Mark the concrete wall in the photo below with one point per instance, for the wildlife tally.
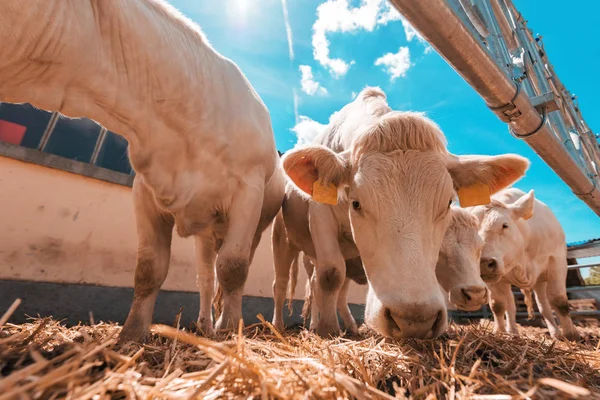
(64, 227)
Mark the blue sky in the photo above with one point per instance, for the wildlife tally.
(367, 47)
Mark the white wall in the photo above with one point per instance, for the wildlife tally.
(57, 226)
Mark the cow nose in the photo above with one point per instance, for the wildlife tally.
(489, 264)
(474, 295)
(417, 327)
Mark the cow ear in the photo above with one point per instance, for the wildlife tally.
(317, 168)
(495, 172)
(523, 208)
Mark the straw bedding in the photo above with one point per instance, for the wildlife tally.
(46, 360)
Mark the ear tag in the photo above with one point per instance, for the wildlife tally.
(474, 195)
(324, 194)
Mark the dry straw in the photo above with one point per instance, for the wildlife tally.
(46, 360)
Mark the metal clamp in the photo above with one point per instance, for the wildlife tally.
(508, 112)
(534, 132)
(589, 193)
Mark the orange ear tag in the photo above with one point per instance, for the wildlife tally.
(474, 195)
(324, 194)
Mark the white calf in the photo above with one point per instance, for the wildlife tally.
(200, 138)
(524, 245)
(393, 180)
(457, 270)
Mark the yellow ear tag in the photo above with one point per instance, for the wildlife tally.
(324, 194)
(474, 195)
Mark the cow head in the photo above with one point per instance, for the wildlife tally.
(397, 182)
(503, 240)
(457, 269)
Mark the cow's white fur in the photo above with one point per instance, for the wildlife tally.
(200, 138)
(396, 182)
(524, 245)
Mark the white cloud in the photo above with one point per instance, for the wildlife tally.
(309, 85)
(339, 16)
(307, 130)
(288, 28)
(354, 94)
(395, 64)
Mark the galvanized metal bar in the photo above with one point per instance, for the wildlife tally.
(581, 266)
(98, 146)
(48, 131)
(505, 28)
(448, 35)
(591, 288)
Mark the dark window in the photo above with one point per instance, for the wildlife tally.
(15, 117)
(113, 154)
(73, 138)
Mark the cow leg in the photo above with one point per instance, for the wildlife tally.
(511, 311)
(498, 303)
(235, 254)
(155, 230)
(541, 298)
(557, 294)
(314, 307)
(330, 267)
(344, 309)
(205, 258)
(284, 255)
(312, 278)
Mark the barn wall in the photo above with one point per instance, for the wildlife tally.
(62, 227)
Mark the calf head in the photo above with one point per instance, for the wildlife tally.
(397, 182)
(457, 268)
(503, 241)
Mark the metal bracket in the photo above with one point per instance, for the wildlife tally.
(546, 100)
(530, 134)
(508, 112)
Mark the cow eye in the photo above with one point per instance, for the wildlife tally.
(504, 226)
(449, 203)
(356, 205)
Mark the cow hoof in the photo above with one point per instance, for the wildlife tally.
(133, 334)
(572, 336)
(204, 327)
(225, 324)
(352, 330)
(279, 325)
(326, 331)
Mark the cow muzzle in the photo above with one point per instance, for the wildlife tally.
(424, 325)
(491, 269)
(469, 298)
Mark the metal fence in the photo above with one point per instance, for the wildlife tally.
(489, 44)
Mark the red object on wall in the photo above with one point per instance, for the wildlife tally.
(11, 132)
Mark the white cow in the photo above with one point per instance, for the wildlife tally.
(524, 245)
(395, 181)
(200, 138)
(457, 270)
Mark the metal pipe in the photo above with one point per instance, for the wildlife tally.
(570, 289)
(448, 35)
(48, 131)
(504, 25)
(98, 146)
(580, 266)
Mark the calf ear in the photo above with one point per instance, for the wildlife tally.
(309, 165)
(496, 172)
(523, 208)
